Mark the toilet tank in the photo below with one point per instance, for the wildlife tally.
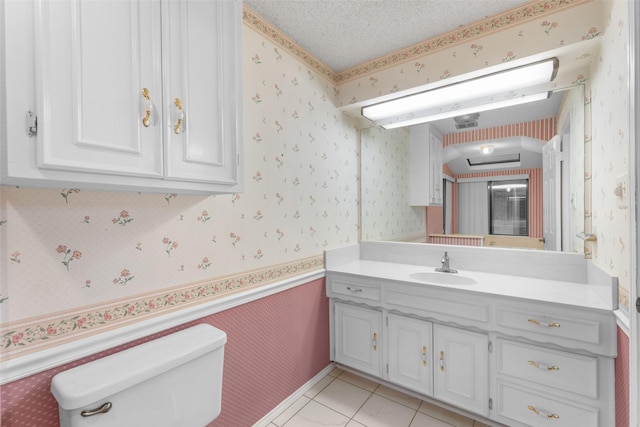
(173, 381)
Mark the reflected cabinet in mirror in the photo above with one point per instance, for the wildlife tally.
(512, 177)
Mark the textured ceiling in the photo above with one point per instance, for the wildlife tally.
(346, 33)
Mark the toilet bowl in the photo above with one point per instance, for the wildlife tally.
(173, 381)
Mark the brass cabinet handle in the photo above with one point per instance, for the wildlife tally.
(146, 120)
(180, 121)
(546, 415)
(442, 361)
(375, 341)
(101, 410)
(543, 367)
(424, 355)
(545, 324)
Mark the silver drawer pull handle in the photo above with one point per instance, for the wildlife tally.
(542, 414)
(101, 410)
(545, 324)
(543, 367)
(349, 288)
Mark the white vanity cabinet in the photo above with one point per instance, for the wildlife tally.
(517, 361)
(538, 385)
(358, 338)
(135, 95)
(425, 166)
(450, 364)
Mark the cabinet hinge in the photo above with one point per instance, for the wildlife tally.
(490, 347)
(31, 123)
(490, 403)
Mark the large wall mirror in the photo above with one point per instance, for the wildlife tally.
(514, 178)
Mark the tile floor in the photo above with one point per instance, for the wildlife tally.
(344, 399)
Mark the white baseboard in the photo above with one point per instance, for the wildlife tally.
(264, 421)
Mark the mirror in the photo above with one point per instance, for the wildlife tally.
(385, 178)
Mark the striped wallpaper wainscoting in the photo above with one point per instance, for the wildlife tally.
(453, 239)
(543, 129)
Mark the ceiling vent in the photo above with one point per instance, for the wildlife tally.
(467, 121)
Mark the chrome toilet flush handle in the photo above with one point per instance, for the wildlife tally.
(101, 410)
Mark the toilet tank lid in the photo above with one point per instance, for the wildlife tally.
(88, 383)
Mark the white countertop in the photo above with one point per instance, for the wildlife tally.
(553, 291)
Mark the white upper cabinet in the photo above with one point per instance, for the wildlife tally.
(129, 95)
(425, 166)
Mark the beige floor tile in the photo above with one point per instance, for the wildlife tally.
(316, 415)
(479, 424)
(398, 396)
(442, 414)
(381, 412)
(319, 386)
(423, 420)
(445, 415)
(336, 372)
(288, 413)
(358, 381)
(353, 423)
(343, 397)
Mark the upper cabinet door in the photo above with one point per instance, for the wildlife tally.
(93, 61)
(201, 55)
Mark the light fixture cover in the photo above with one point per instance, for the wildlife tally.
(486, 149)
(421, 106)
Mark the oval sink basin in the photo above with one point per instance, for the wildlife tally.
(443, 278)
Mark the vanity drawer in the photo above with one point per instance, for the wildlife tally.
(355, 289)
(429, 302)
(550, 325)
(565, 371)
(535, 409)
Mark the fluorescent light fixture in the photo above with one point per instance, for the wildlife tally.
(485, 107)
(499, 82)
(508, 186)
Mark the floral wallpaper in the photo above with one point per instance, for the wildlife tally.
(75, 261)
(66, 252)
(537, 27)
(386, 214)
(610, 166)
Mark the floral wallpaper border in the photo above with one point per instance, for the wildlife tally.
(515, 16)
(25, 337)
(255, 21)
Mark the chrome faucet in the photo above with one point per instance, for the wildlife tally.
(445, 265)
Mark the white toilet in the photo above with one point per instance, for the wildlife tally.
(173, 381)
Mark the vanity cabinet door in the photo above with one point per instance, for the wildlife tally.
(410, 353)
(461, 361)
(358, 339)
